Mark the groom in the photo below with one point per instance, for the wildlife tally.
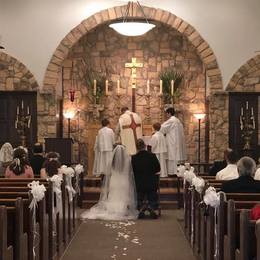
(146, 169)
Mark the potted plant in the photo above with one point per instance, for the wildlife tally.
(167, 76)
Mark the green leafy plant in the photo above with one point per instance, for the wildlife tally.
(167, 76)
(100, 78)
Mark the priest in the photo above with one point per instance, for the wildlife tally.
(175, 140)
(129, 129)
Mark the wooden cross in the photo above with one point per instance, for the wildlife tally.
(133, 65)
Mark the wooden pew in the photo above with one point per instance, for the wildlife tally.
(11, 188)
(6, 251)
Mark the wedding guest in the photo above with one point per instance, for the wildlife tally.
(245, 182)
(6, 157)
(230, 171)
(37, 159)
(19, 167)
(51, 166)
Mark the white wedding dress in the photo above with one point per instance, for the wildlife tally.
(118, 194)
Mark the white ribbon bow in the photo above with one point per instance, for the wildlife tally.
(78, 170)
(57, 180)
(180, 171)
(189, 175)
(69, 173)
(198, 183)
(211, 197)
(38, 193)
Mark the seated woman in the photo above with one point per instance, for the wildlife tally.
(19, 167)
(118, 196)
(51, 165)
(6, 157)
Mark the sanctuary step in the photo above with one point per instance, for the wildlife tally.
(168, 192)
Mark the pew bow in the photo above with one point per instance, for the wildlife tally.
(189, 175)
(199, 184)
(78, 170)
(69, 173)
(38, 192)
(211, 197)
(180, 171)
(56, 181)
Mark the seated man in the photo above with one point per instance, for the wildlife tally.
(245, 182)
(146, 168)
(230, 171)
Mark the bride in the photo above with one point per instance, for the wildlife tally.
(118, 195)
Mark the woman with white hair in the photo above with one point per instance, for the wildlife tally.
(246, 167)
(6, 157)
(118, 196)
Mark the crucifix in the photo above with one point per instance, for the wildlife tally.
(133, 65)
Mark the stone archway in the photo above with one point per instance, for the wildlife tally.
(247, 78)
(19, 72)
(204, 50)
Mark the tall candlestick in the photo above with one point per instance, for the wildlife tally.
(242, 111)
(22, 104)
(148, 87)
(252, 111)
(95, 88)
(28, 110)
(17, 110)
(172, 87)
(118, 87)
(246, 104)
(106, 91)
(161, 85)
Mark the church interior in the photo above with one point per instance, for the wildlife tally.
(63, 69)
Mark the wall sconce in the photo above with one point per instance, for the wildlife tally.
(199, 116)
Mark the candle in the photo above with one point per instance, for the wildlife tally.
(148, 87)
(29, 121)
(246, 104)
(252, 111)
(172, 87)
(22, 104)
(118, 87)
(17, 110)
(161, 85)
(28, 110)
(106, 91)
(242, 111)
(16, 124)
(95, 88)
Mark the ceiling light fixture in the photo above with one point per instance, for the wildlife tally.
(135, 27)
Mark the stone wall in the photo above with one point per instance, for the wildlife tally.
(105, 52)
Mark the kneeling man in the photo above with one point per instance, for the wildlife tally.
(146, 169)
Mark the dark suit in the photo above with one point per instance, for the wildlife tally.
(145, 166)
(242, 184)
(216, 167)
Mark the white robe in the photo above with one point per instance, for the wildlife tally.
(159, 147)
(175, 140)
(103, 151)
(126, 132)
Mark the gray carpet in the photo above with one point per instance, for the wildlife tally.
(160, 239)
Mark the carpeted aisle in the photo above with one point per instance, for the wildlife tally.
(160, 239)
